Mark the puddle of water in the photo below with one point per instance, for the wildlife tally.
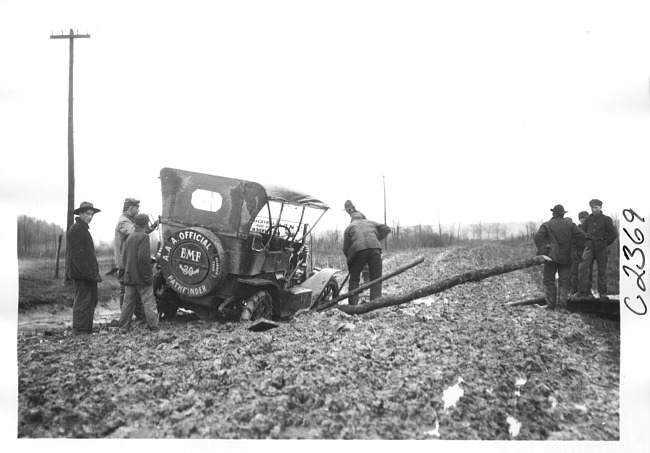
(44, 320)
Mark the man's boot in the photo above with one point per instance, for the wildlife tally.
(551, 297)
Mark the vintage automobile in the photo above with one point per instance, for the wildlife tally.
(237, 250)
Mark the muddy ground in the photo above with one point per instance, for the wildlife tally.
(456, 365)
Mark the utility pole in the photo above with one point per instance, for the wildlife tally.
(386, 239)
(70, 215)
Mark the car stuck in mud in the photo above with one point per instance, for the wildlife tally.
(237, 250)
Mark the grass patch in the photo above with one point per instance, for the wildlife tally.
(38, 284)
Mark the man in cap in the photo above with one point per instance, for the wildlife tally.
(555, 239)
(362, 245)
(138, 276)
(125, 226)
(601, 233)
(83, 269)
(352, 211)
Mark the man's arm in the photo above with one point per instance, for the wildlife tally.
(578, 236)
(125, 227)
(610, 231)
(152, 227)
(541, 236)
(383, 231)
(346, 242)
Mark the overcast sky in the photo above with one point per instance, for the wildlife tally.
(470, 111)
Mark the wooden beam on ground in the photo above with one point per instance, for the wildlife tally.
(472, 276)
(607, 307)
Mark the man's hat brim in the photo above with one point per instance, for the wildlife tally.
(80, 210)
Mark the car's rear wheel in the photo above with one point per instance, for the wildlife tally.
(258, 306)
(164, 298)
(167, 309)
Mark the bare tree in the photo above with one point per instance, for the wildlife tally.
(531, 228)
(497, 230)
(489, 229)
(477, 230)
(36, 237)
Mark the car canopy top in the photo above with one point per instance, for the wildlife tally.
(290, 196)
(220, 203)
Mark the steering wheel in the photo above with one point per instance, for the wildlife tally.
(287, 231)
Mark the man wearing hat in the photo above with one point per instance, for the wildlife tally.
(125, 226)
(361, 247)
(83, 269)
(601, 233)
(555, 239)
(352, 211)
(138, 276)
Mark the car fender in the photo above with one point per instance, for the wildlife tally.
(316, 283)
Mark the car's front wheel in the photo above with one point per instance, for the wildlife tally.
(329, 292)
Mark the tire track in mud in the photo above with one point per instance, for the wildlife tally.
(421, 275)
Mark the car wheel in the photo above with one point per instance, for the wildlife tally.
(164, 298)
(328, 293)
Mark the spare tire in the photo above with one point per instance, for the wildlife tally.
(192, 261)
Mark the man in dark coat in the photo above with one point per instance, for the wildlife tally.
(138, 276)
(576, 257)
(83, 269)
(601, 233)
(357, 215)
(555, 239)
(361, 246)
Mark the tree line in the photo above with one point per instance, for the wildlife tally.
(40, 238)
(427, 236)
(37, 237)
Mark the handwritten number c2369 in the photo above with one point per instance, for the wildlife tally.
(637, 239)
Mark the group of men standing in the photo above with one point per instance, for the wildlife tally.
(573, 250)
(132, 255)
